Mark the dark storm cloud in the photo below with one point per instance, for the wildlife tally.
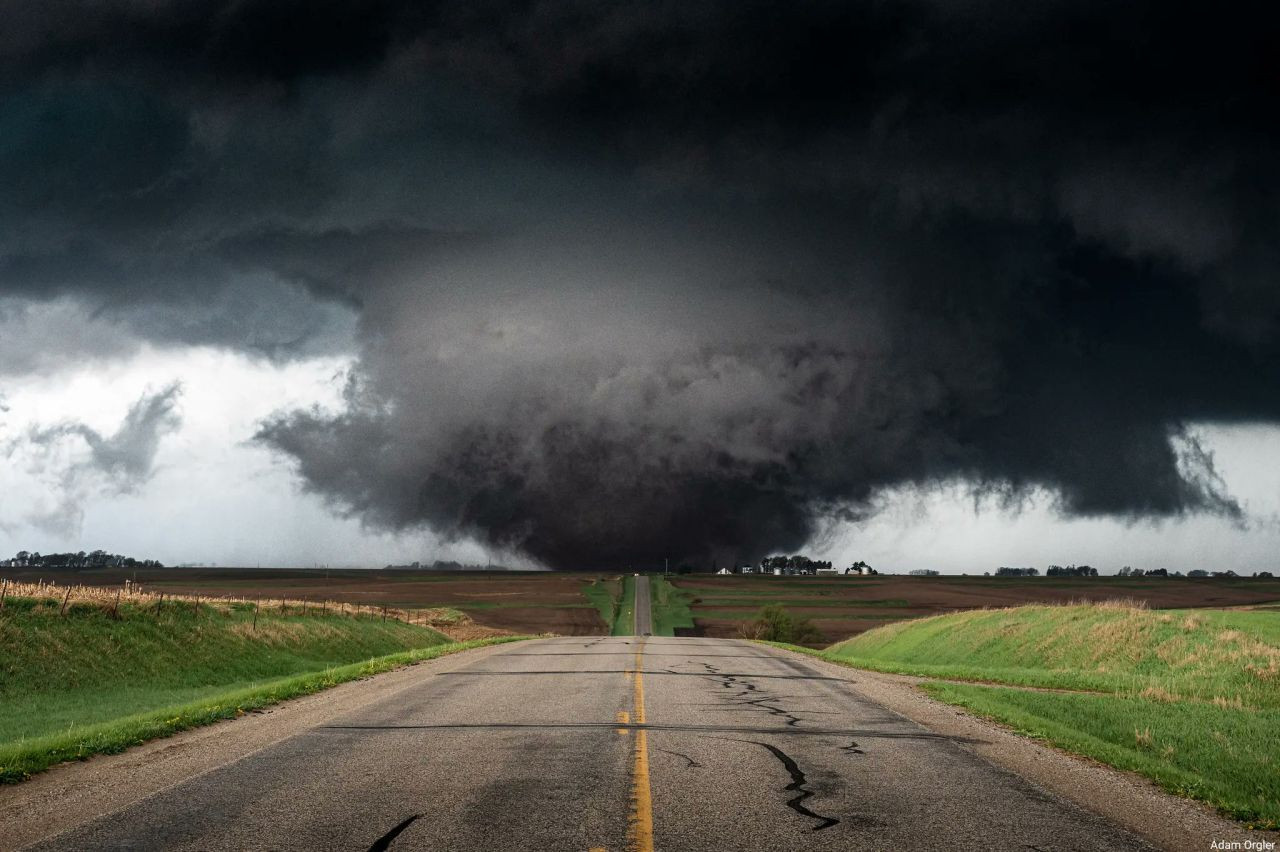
(678, 278)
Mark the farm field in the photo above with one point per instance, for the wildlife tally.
(841, 607)
(581, 604)
(1190, 698)
(511, 602)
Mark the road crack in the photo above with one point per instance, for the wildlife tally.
(798, 785)
(744, 697)
(692, 763)
(383, 843)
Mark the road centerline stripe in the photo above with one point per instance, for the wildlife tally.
(640, 829)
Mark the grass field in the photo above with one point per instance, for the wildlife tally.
(670, 607)
(1190, 698)
(82, 682)
(624, 623)
(577, 604)
(604, 594)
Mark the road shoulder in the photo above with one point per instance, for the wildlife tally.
(1124, 798)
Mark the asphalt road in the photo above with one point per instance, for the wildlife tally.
(626, 743)
(643, 622)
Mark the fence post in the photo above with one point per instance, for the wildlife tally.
(195, 607)
(62, 612)
(384, 612)
(115, 608)
(160, 602)
(255, 615)
(4, 590)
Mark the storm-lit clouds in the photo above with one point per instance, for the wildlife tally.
(76, 461)
(622, 281)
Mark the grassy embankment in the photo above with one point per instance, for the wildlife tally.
(605, 595)
(1189, 698)
(86, 683)
(625, 623)
(615, 600)
(669, 607)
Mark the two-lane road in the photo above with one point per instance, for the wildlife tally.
(609, 743)
(643, 623)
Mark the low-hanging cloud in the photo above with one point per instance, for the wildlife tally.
(633, 281)
(79, 461)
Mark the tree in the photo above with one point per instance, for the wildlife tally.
(1073, 571)
(77, 560)
(775, 624)
(923, 572)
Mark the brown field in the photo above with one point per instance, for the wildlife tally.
(511, 602)
(544, 602)
(841, 607)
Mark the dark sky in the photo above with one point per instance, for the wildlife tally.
(624, 281)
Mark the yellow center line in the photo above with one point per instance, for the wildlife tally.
(640, 830)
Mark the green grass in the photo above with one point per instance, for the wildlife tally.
(604, 596)
(1203, 655)
(1225, 756)
(87, 684)
(1189, 698)
(624, 622)
(669, 606)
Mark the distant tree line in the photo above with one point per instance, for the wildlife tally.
(1005, 571)
(1071, 571)
(443, 565)
(796, 563)
(80, 559)
(923, 572)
